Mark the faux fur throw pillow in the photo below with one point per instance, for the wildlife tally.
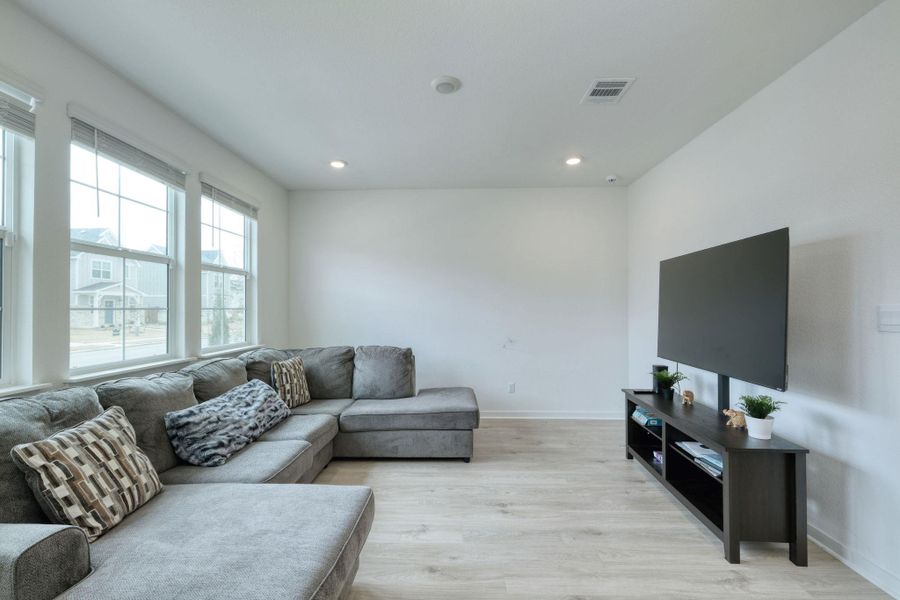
(208, 434)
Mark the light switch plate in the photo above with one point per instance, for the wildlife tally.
(889, 318)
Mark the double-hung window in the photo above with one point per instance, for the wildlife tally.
(122, 259)
(16, 178)
(228, 244)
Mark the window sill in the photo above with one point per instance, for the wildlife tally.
(228, 351)
(17, 390)
(130, 370)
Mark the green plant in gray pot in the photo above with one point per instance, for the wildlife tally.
(759, 417)
(667, 382)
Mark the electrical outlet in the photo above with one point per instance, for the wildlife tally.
(511, 387)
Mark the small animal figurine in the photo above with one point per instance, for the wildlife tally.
(687, 397)
(735, 418)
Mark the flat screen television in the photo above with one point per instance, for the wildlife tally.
(725, 310)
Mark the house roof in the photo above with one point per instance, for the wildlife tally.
(94, 235)
(97, 287)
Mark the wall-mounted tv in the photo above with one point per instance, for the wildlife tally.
(725, 310)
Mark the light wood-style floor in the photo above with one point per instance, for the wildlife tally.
(551, 510)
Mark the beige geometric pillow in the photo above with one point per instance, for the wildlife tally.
(289, 380)
(91, 475)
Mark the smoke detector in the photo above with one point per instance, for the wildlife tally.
(607, 91)
(446, 84)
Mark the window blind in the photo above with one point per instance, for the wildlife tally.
(111, 147)
(16, 116)
(226, 199)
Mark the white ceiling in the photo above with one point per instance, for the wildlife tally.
(290, 85)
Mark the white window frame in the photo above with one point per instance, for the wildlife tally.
(249, 275)
(124, 254)
(7, 259)
(17, 122)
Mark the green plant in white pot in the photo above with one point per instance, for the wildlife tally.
(759, 417)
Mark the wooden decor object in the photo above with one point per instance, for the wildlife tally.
(735, 418)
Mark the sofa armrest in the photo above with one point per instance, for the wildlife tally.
(39, 562)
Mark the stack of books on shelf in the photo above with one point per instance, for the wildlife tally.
(706, 458)
(646, 418)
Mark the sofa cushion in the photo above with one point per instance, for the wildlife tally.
(30, 419)
(384, 372)
(214, 377)
(318, 430)
(332, 407)
(329, 371)
(289, 380)
(146, 400)
(259, 362)
(260, 462)
(207, 434)
(233, 542)
(436, 408)
(92, 475)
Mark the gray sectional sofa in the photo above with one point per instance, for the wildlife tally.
(225, 532)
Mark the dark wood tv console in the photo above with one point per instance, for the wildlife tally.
(761, 495)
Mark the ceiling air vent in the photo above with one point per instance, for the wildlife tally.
(607, 91)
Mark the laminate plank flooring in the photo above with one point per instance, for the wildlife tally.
(551, 510)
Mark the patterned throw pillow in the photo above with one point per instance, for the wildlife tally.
(208, 434)
(92, 475)
(289, 379)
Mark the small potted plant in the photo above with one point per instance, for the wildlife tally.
(759, 418)
(667, 382)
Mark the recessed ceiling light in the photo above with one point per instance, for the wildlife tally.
(338, 164)
(446, 84)
(573, 161)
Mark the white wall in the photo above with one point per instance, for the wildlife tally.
(487, 286)
(818, 150)
(62, 74)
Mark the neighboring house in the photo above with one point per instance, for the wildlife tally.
(98, 282)
(211, 282)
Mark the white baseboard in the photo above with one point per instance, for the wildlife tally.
(552, 414)
(888, 582)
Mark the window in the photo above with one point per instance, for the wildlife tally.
(101, 269)
(227, 234)
(16, 179)
(122, 204)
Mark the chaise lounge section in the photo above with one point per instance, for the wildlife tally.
(437, 423)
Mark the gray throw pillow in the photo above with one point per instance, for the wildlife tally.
(212, 378)
(384, 372)
(146, 400)
(208, 434)
(329, 371)
(259, 362)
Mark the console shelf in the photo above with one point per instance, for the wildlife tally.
(761, 495)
